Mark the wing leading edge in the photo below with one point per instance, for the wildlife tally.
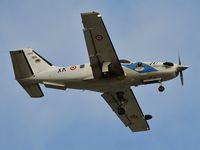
(102, 55)
(133, 118)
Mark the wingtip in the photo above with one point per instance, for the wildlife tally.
(91, 13)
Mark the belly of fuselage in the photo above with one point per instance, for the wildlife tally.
(131, 78)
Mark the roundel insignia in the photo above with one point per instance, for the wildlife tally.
(99, 37)
(72, 68)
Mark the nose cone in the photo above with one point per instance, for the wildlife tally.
(182, 67)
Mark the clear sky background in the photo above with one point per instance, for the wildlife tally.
(140, 31)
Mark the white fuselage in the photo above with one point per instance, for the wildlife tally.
(81, 76)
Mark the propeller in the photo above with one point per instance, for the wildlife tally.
(180, 69)
(181, 72)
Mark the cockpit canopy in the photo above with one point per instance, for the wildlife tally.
(124, 61)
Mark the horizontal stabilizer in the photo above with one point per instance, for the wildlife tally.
(33, 90)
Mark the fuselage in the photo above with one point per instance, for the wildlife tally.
(81, 76)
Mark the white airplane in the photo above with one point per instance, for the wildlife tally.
(105, 73)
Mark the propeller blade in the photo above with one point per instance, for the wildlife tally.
(181, 76)
(179, 60)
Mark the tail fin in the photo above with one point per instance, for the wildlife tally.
(26, 63)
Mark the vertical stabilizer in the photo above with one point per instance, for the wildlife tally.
(36, 62)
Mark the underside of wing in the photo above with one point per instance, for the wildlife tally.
(103, 58)
(133, 117)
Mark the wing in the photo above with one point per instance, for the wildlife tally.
(133, 118)
(102, 55)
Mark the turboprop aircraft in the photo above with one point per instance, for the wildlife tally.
(106, 73)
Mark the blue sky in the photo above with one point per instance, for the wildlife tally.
(140, 30)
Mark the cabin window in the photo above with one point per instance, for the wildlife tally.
(139, 64)
(82, 66)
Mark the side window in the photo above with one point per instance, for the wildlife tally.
(82, 66)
